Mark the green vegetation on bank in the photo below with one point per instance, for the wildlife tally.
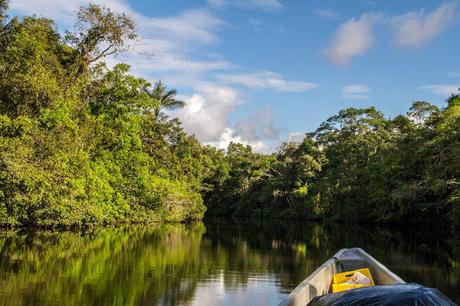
(84, 144)
(81, 143)
(357, 166)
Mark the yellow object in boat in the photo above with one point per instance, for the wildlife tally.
(339, 281)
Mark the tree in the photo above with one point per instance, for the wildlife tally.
(32, 68)
(352, 140)
(6, 28)
(4, 5)
(100, 33)
(166, 98)
(420, 111)
(80, 149)
(116, 92)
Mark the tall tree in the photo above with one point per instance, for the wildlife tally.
(5, 27)
(166, 98)
(100, 33)
(31, 68)
(420, 111)
(4, 5)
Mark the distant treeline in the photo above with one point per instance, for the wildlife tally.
(82, 144)
(357, 166)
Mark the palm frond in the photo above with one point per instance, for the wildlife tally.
(166, 98)
(173, 105)
(169, 95)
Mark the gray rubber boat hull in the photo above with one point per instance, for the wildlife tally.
(319, 282)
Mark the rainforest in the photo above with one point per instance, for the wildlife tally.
(86, 143)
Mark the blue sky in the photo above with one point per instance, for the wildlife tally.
(265, 71)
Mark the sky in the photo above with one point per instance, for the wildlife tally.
(263, 72)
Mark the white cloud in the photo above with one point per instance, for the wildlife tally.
(444, 90)
(171, 44)
(266, 80)
(211, 126)
(355, 92)
(167, 44)
(150, 58)
(256, 145)
(296, 137)
(417, 28)
(327, 14)
(229, 136)
(63, 11)
(353, 37)
(258, 126)
(262, 4)
(207, 112)
(190, 26)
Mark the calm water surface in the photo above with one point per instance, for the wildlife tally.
(211, 263)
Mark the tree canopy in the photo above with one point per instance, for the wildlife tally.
(358, 166)
(81, 143)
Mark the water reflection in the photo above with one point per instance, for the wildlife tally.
(216, 263)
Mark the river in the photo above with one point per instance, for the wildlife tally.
(212, 263)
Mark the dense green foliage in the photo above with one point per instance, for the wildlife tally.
(83, 144)
(357, 166)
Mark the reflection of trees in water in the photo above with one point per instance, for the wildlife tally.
(430, 257)
(128, 266)
(163, 265)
